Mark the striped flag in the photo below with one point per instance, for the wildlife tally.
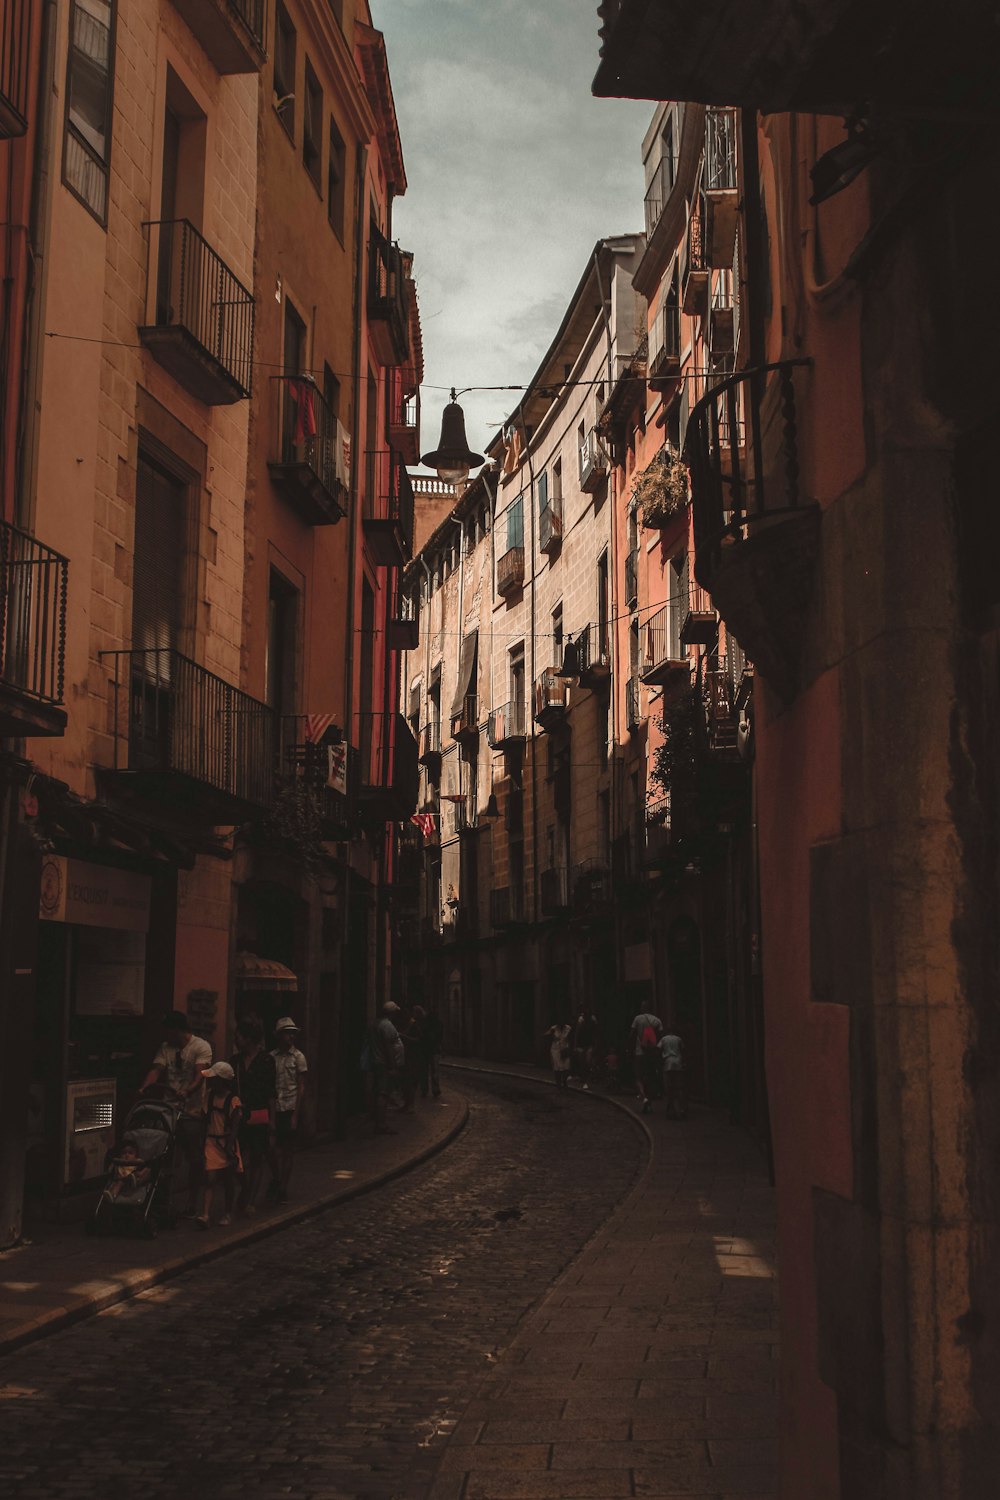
(425, 822)
(316, 727)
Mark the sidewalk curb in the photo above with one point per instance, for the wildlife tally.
(143, 1281)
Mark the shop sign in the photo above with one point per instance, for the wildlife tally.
(89, 895)
(90, 1127)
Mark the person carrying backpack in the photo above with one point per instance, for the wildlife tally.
(645, 1032)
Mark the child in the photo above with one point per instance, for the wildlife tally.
(223, 1162)
(672, 1052)
(290, 1068)
(130, 1173)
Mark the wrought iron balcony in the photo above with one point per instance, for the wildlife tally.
(592, 889)
(664, 659)
(15, 66)
(694, 268)
(550, 527)
(593, 463)
(388, 774)
(700, 624)
(33, 583)
(631, 577)
(756, 539)
(657, 831)
(183, 735)
(665, 343)
(199, 316)
(633, 704)
(722, 316)
(721, 717)
(720, 185)
(388, 509)
(326, 768)
(550, 698)
(404, 627)
(388, 320)
(230, 31)
(311, 465)
(659, 191)
(593, 655)
(506, 725)
(404, 426)
(554, 891)
(466, 817)
(465, 723)
(510, 571)
(430, 745)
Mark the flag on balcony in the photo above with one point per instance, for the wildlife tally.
(425, 822)
(336, 768)
(303, 394)
(316, 727)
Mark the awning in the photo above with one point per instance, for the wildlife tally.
(256, 973)
(466, 671)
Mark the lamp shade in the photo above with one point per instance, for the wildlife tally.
(570, 669)
(453, 458)
(491, 810)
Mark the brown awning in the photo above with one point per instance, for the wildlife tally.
(466, 671)
(256, 973)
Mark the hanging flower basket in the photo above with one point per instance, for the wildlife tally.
(661, 490)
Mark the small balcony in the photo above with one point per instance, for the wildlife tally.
(388, 509)
(506, 906)
(550, 527)
(404, 426)
(510, 571)
(593, 463)
(33, 584)
(694, 268)
(657, 832)
(506, 725)
(593, 655)
(756, 538)
(700, 625)
(465, 722)
(721, 716)
(722, 316)
(665, 344)
(388, 319)
(659, 191)
(665, 661)
(199, 316)
(404, 627)
(429, 745)
(592, 889)
(231, 32)
(324, 768)
(185, 737)
(551, 698)
(466, 817)
(388, 777)
(15, 66)
(554, 892)
(720, 186)
(631, 578)
(311, 465)
(633, 704)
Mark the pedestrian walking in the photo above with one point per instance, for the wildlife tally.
(290, 1069)
(645, 1033)
(672, 1053)
(383, 1053)
(256, 1084)
(178, 1066)
(223, 1162)
(585, 1046)
(560, 1039)
(430, 1054)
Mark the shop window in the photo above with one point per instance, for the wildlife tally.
(312, 126)
(89, 102)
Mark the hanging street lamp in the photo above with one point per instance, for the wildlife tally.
(453, 458)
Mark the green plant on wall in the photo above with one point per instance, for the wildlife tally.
(294, 821)
(660, 492)
(675, 761)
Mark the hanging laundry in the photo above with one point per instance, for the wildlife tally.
(303, 393)
(316, 727)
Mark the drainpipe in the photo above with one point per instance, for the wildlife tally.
(27, 460)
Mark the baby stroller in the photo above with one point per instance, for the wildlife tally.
(140, 1172)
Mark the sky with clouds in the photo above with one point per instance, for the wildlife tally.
(514, 172)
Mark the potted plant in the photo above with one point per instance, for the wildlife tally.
(661, 490)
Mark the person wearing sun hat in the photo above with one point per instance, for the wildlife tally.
(290, 1068)
(223, 1163)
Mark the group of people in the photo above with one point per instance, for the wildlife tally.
(401, 1053)
(657, 1054)
(235, 1118)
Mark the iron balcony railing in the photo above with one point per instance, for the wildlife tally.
(554, 891)
(505, 723)
(633, 703)
(593, 654)
(550, 526)
(551, 694)
(465, 721)
(387, 760)
(388, 497)
(659, 191)
(15, 66)
(631, 577)
(312, 449)
(387, 306)
(721, 131)
(665, 340)
(195, 298)
(33, 583)
(173, 716)
(466, 817)
(593, 462)
(663, 654)
(429, 742)
(510, 570)
(742, 446)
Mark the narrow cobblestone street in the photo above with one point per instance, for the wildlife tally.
(421, 1341)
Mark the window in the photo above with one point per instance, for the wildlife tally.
(312, 126)
(515, 524)
(517, 680)
(282, 628)
(336, 180)
(603, 642)
(331, 391)
(284, 68)
(543, 491)
(557, 485)
(89, 93)
(158, 588)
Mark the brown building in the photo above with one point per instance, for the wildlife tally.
(844, 524)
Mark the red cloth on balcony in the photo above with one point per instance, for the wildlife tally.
(303, 394)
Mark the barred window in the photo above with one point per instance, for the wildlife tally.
(89, 104)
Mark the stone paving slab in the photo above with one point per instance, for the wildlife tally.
(650, 1368)
(59, 1276)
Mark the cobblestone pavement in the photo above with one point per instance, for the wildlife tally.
(332, 1361)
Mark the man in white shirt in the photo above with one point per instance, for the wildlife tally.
(290, 1069)
(645, 1032)
(672, 1052)
(178, 1065)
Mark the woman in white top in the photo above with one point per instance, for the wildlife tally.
(561, 1051)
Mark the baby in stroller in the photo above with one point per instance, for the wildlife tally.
(139, 1169)
(129, 1173)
